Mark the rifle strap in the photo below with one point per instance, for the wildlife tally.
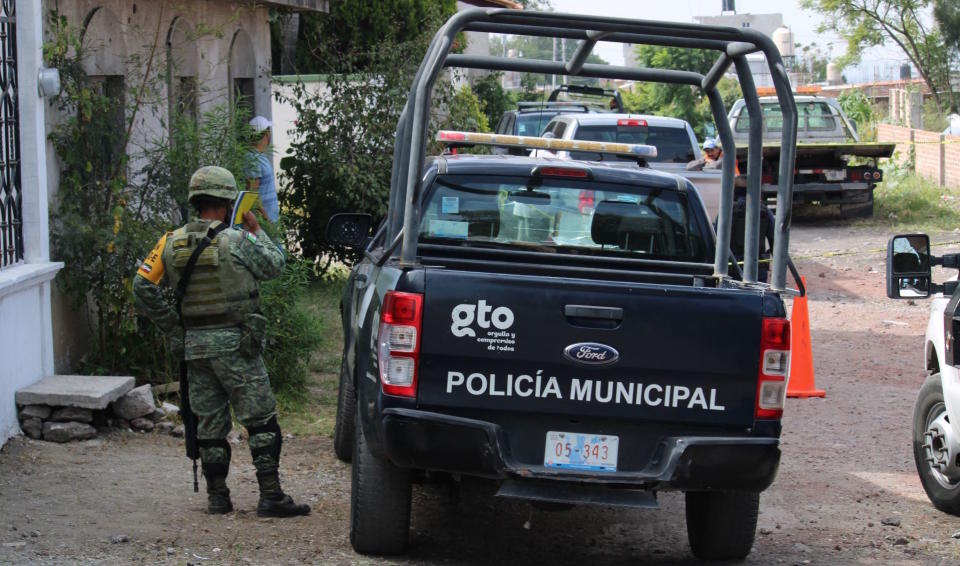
(181, 289)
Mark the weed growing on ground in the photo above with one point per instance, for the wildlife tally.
(907, 199)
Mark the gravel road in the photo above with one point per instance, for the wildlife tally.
(847, 491)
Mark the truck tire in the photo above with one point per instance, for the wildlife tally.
(346, 415)
(721, 525)
(943, 489)
(858, 210)
(379, 502)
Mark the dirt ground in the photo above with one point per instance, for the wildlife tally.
(847, 466)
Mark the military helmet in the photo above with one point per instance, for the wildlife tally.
(214, 182)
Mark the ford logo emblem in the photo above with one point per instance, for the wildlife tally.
(591, 353)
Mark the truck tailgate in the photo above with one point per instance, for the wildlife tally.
(589, 348)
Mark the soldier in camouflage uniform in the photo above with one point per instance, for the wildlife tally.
(222, 334)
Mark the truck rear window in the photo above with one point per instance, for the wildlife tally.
(562, 216)
(673, 144)
(534, 123)
(811, 116)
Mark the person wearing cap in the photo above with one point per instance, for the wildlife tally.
(712, 157)
(216, 324)
(261, 176)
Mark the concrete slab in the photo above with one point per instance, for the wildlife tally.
(83, 391)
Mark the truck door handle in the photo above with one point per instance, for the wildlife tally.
(593, 317)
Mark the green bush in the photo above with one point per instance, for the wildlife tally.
(861, 112)
(293, 333)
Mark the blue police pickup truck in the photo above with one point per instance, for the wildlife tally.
(572, 330)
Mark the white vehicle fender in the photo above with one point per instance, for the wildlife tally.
(949, 375)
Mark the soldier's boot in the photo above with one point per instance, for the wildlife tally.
(218, 495)
(273, 501)
(215, 457)
(265, 444)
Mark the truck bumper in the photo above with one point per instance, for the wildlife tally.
(826, 193)
(439, 442)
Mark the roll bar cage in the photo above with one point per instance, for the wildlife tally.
(733, 46)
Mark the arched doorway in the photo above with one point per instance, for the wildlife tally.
(181, 54)
(243, 72)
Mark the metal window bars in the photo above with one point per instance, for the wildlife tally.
(732, 44)
(11, 190)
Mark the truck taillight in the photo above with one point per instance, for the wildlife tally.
(401, 320)
(774, 368)
(631, 122)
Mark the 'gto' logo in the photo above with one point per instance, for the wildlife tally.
(591, 353)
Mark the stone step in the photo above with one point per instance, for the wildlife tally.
(82, 391)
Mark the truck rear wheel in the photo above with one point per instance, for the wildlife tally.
(934, 448)
(379, 502)
(858, 210)
(346, 415)
(721, 525)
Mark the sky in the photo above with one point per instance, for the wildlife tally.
(802, 23)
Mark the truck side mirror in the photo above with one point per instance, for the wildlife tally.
(348, 229)
(908, 266)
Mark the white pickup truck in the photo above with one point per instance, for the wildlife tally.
(936, 415)
(674, 139)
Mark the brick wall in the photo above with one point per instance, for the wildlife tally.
(903, 136)
(928, 152)
(937, 157)
(951, 154)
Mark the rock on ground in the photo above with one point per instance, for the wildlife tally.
(33, 428)
(65, 432)
(35, 412)
(164, 427)
(66, 414)
(142, 423)
(137, 403)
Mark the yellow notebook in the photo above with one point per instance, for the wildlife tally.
(246, 201)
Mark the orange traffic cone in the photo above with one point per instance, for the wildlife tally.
(801, 382)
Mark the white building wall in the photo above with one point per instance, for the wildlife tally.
(284, 114)
(26, 338)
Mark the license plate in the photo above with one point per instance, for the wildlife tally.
(835, 174)
(580, 451)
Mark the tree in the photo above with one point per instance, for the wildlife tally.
(493, 99)
(813, 61)
(947, 15)
(868, 23)
(679, 101)
(360, 28)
